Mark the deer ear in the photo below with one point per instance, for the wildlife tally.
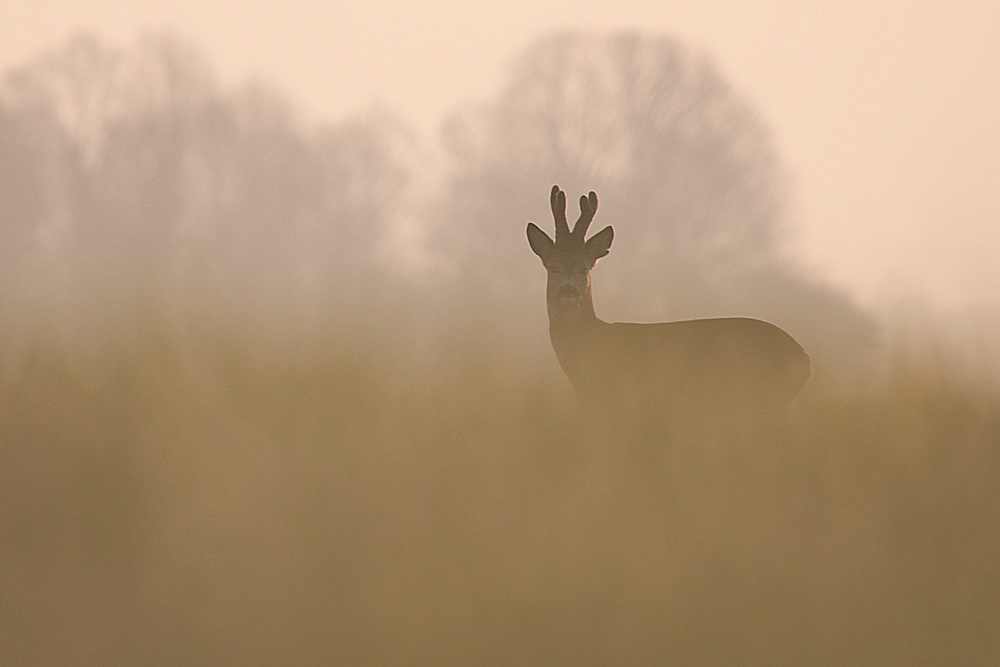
(600, 243)
(539, 241)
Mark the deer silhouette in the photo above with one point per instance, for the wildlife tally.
(664, 373)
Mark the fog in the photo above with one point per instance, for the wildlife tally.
(275, 390)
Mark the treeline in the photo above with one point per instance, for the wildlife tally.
(130, 177)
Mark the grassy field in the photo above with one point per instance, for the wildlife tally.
(200, 500)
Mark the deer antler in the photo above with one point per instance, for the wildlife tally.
(558, 201)
(588, 207)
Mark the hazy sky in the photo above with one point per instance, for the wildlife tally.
(888, 113)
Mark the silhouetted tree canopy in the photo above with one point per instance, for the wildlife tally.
(685, 169)
(131, 175)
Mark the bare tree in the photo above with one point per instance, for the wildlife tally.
(147, 182)
(684, 161)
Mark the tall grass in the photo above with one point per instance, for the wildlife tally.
(198, 500)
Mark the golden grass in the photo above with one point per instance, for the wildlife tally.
(197, 501)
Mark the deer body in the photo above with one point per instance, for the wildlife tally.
(670, 371)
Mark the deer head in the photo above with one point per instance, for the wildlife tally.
(570, 258)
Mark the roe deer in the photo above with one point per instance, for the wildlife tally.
(666, 373)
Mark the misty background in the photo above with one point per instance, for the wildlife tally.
(274, 388)
(884, 113)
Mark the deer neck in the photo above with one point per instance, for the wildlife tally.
(570, 330)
